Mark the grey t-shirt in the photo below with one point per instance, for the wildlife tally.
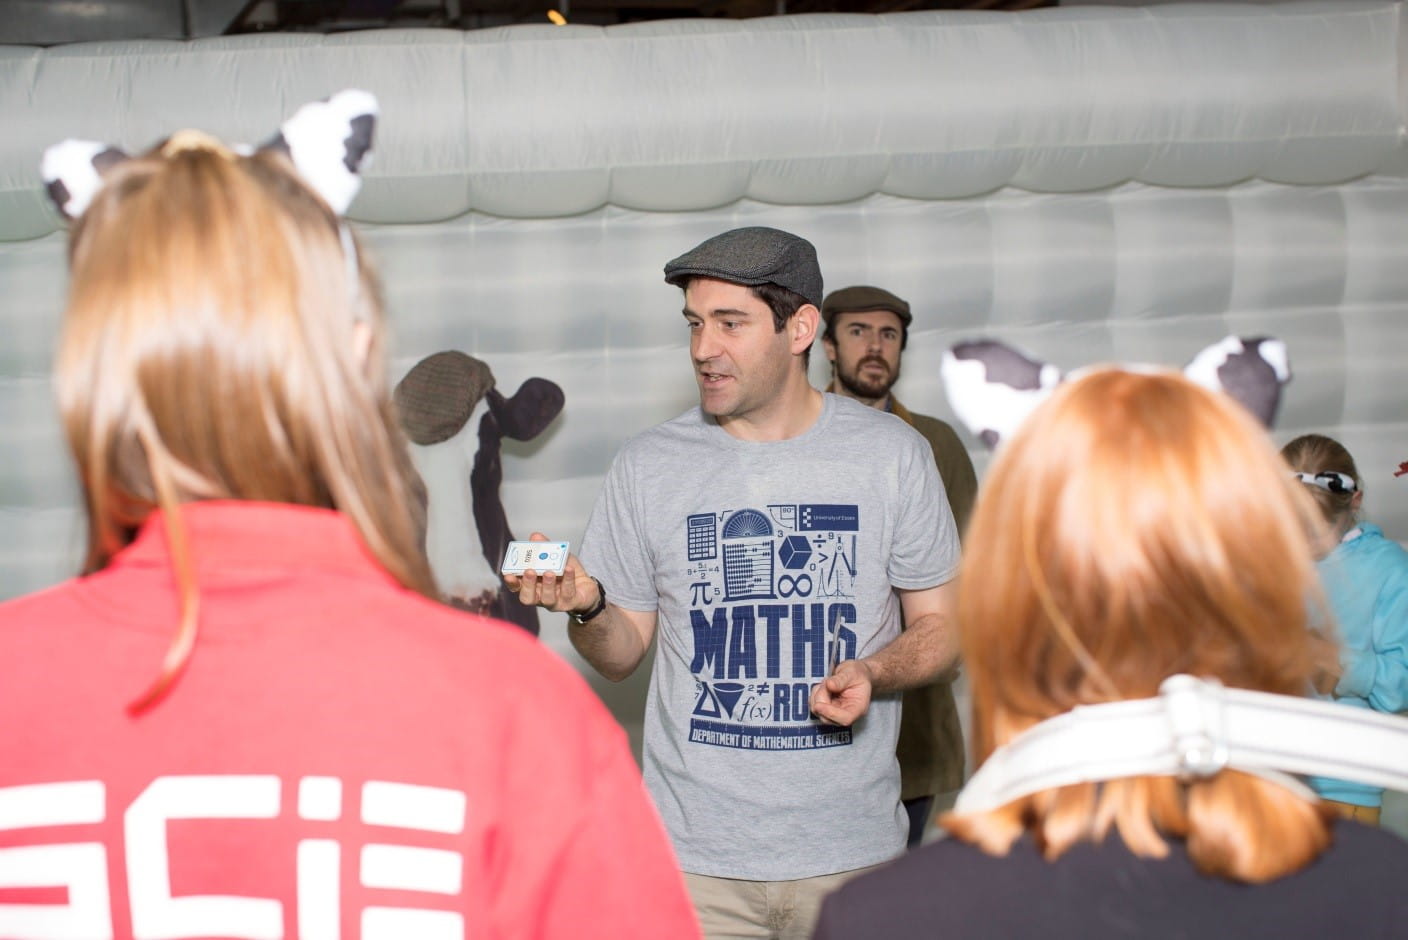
(760, 558)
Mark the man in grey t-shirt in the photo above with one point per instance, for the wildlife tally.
(772, 537)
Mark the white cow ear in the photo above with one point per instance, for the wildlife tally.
(993, 387)
(329, 142)
(73, 173)
(1252, 370)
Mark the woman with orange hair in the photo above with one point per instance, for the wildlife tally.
(1137, 526)
(250, 718)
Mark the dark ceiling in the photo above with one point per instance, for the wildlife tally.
(51, 22)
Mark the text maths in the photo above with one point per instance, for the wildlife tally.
(749, 641)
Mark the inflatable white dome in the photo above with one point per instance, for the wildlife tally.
(1089, 183)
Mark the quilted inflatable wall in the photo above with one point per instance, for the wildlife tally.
(1091, 183)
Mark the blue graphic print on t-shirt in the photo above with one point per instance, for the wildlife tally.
(772, 611)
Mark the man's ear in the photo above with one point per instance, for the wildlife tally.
(1356, 500)
(803, 327)
(830, 346)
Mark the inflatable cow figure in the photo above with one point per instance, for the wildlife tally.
(456, 420)
(993, 387)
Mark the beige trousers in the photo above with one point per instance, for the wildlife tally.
(730, 908)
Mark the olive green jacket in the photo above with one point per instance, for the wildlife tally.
(930, 749)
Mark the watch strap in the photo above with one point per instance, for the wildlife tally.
(595, 610)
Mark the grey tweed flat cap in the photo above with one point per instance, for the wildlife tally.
(753, 256)
(864, 298)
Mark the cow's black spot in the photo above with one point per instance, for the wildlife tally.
(108, 159)
(1250, 379)
(359, 141)
(60, 194)
(1002, 364)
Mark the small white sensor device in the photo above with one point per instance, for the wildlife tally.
(540, 557)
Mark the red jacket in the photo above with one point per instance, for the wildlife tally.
(341, 758)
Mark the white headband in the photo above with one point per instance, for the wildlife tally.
(1331, 480)
(1193, 729)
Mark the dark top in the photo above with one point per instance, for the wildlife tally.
(930, 748)
(1356, 890)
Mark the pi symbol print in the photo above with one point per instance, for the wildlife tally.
(702, 593)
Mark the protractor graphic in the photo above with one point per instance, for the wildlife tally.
(747, 523)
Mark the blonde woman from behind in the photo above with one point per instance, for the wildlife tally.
(249, 717)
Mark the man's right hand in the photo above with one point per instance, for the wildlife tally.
(573, 591)
(614, 641)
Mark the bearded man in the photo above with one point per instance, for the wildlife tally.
(867, 329)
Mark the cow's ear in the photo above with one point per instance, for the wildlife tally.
(330, 142)
(73, 172)
(993, 387)
(1251, 369)
(531, 409)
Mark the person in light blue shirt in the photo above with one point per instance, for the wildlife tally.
(1365, 577)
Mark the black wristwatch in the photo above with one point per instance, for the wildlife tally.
(595, 611)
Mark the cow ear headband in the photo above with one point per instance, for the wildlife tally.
(328, 141)
(992, 387)
(1191, 730)
(1332, 480)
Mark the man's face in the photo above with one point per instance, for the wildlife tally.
(866, 352)
(740, 362)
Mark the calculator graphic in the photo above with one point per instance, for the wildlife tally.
(703, 537)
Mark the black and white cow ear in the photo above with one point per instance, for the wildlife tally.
(992, 387)
(73, 173)
(329, 142)
(1252, 370)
